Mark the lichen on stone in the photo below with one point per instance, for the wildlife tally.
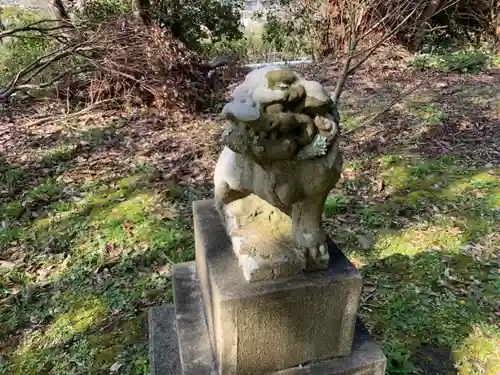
(284, 157)
(318, 147)
(285, 76)
(226, 132)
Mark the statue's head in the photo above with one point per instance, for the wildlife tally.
(275, 114)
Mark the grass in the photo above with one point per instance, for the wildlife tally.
(462, 61)
(85, 268)
(422, 223)
(431, 114)
(433, 261)
(59, 154)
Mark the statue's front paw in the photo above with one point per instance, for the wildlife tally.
(317, 256)
(317, 252)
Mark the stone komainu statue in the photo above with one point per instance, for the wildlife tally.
(282, 145)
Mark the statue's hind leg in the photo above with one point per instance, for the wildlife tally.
(223, 194)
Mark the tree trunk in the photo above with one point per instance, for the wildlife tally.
(496, 23)
(418, 37)
(60, 11)
(142, 8)
(2, 26)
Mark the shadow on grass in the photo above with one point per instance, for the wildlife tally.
(439, 119)
(429, 242)
(418, 210)
(21, 179)
(84, 273)
(426, 306)
(87, 261)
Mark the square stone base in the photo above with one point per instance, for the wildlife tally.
(266, 326)
(193, 351)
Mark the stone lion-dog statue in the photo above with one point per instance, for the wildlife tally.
(282, 146)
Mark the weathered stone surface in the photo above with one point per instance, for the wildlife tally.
(163, 344)
(197, 357)
(276, 150)
(366, 358)
(298, 190)
(262, 327)
(262, 240)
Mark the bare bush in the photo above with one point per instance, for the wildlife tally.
(322, 22)
(120, 59)
(144, 63)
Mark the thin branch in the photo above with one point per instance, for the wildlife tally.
(123, 74)
(84, 111)
(385, 18)
(32, 28)
(52, 81)
(25, 71)
(345, 68)
(398, 97)
(38, 66)
(381, 41)
(69, 52)
(70, 116)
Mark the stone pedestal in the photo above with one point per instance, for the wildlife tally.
(302, 324)
(261, 327)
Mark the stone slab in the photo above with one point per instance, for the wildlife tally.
(197, 357)
(266, 326)
(366, 357)
(163, 343)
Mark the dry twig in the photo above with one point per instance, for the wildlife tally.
(356, 15)
(403, 93)
(36, 27)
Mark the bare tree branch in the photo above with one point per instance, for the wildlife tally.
(403, 93)
(70, 116)
(33, 28)
(345, 68)
(54, 80)
(386, 37)
(388, 15)
(39, 65)
(356, 13)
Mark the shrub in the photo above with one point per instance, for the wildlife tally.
(336, 204)
(463, 61)
(237, 50)
(292, 30)
(198, 20)
(101, 10)
(282, 40)
(16, 53)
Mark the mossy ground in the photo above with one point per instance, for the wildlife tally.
(431, 265)
(418, 211)
(93, 215)
(89, 230)
(82, 270)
